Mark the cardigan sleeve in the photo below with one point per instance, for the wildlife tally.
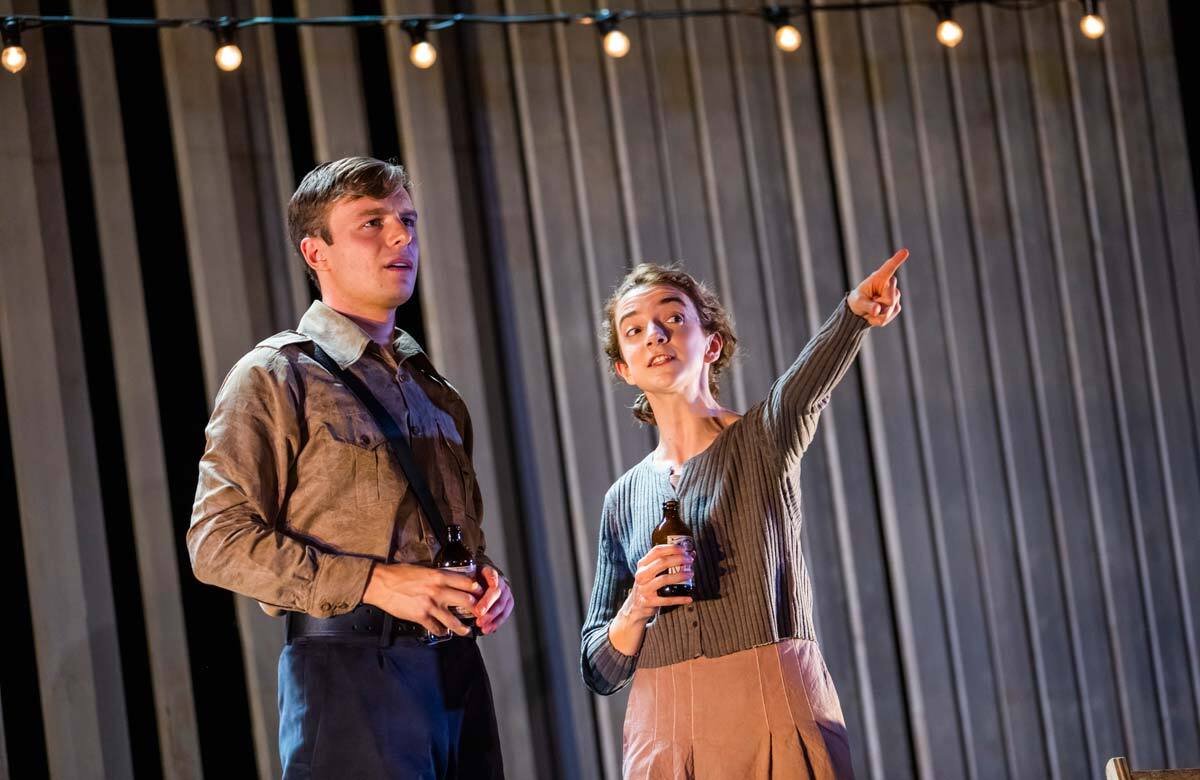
(606, 669)
(796, 399)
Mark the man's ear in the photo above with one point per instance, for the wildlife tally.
(622, 370)
(313, 250)
(715, 345)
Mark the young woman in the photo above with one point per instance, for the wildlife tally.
(730, 683)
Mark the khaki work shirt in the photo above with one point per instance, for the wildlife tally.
(299, 493)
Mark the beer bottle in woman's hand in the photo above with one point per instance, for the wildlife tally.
(672, 531)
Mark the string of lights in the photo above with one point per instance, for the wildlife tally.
(614, 40)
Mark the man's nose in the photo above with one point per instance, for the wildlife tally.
(400, 235)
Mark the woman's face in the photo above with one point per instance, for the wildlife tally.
(664, 347)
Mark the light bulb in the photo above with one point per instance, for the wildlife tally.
(1092, 26)
(229, 57)
(422, 54)
(616, 43)
(949, 33)
(787, 37)
(14, 58)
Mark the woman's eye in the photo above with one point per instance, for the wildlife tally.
(632, 331)
(675, 318)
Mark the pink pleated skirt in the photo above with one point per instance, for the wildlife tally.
(767, 713)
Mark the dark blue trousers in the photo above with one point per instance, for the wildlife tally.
(357, 710)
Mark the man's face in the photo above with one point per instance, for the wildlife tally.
(370, 267)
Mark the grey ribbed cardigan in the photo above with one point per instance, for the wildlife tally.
(741, 499)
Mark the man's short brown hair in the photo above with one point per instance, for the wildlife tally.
(329, 182)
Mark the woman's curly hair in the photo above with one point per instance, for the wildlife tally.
(713, 318)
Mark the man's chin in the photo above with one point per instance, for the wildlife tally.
(401, 296)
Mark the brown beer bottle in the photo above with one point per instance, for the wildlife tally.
(672, 531)
(455, 556)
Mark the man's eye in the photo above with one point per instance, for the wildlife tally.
(409, 222)
(372, 223)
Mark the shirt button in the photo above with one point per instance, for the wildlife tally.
(364, 440)
(401, 377)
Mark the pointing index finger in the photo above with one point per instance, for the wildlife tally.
(888, 269)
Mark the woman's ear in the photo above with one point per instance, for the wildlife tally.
(715, 345)
(622, 370)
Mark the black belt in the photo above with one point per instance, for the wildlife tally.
(365, 624)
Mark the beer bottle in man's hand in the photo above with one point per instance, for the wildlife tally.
(458, 558)
(672, 531)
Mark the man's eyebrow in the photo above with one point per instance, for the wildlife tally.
(665, 299)
(379, 211)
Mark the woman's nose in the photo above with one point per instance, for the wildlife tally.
(656, 334)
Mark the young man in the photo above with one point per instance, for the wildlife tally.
(303, 505)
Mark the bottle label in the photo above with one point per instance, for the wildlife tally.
(468, 571)
(689, 547)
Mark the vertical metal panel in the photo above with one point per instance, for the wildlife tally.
(4, 772)
(58, 487)
(1174, 195)
(269, 159)
(1163, 332)
(1094, 241)
(223, 304)
(339, 120)
(1021, 478)
(989, 747)
(154, 529)
(1045, 578)
(1024, 159)
(1181, 666)
(1099, 127)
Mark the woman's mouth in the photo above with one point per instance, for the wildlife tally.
(659, 360)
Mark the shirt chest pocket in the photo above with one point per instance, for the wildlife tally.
(360, 466)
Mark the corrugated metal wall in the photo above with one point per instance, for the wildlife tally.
(1001, 510)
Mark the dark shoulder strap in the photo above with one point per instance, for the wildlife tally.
(395, 436)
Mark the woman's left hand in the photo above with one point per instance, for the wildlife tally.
(496, 604)
(877, 299)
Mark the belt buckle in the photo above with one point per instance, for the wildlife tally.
(436, 639)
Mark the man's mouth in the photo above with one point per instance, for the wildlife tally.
(400, 265)
(659, 360)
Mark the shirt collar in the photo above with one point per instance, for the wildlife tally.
(344, 340)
